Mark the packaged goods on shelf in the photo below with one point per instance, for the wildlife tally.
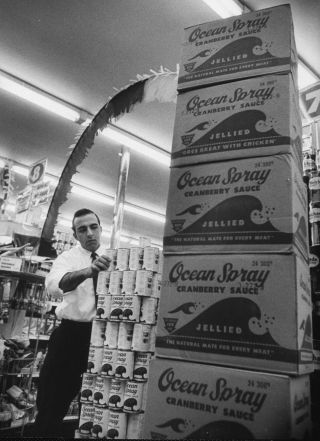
(100, 423)
(252, 205)
(257, 43)
(252, 117)
(250, 311)
(211, 402)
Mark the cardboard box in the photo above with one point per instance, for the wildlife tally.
(250, 311)
(253, 117)
(257, 43)
(250, 205)
(209, 402)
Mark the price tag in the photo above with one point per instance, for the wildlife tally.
(10, 263)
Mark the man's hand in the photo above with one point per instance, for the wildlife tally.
(101, 263)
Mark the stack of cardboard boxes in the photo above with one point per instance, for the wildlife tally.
(234, 333)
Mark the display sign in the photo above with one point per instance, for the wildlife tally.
(40, 194)
(310, 97)
(10, 264)
(23, 199)
(37, 171)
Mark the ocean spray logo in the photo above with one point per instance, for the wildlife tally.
(237, 25)
(233, 175)
(240, 94)
(228, 274)
(221, 392)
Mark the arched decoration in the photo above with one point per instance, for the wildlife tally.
(159, 86)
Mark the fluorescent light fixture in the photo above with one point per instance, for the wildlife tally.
(137, 145)
(145, 213)
(20, 170)
(39, 98)
(305, 76)
(92, 195)
(225, 8)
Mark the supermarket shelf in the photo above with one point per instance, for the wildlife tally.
(30, 277)
(41, 337)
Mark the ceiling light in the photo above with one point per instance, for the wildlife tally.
(20, 170)
(305, 76)
(145, 213)
(92, 195)
(17, 87)
(225, 8)
(139, 146)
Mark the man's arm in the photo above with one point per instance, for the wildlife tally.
(71, 280)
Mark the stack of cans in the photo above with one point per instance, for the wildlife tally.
(113, 393)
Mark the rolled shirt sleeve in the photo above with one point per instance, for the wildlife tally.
(61, 266)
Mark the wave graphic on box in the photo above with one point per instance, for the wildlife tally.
(236, 320)
(238, 129)
(222, 429)
(246, 214)
(251, 50)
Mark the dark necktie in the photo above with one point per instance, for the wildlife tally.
(95, 276)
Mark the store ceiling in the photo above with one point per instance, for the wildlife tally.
(79, 50)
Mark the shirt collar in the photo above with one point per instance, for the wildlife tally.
(99, 251)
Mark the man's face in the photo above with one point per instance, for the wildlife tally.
(87, 231)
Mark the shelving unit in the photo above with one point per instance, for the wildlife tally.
(18, 359)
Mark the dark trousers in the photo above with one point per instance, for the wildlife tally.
(60, 375)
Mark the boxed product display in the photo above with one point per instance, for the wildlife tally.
(210, 402)
(250, 311)
(253, 117)
(252, 205)
(257, 43)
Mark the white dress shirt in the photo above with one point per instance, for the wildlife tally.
(78, 304)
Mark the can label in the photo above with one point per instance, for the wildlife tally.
(103, 282)
(87, 388)
(151, 258)
(141, 366)
(131, 308)
(144, 283)
(141, 337)
(109, 362)
(123, 259)
(128, 282)
(116, 308)
(116, 394)
(101, 391)
(136, 258)
(103, 306)
(135, 426)
(100, 423)
(152, 346)
(98, 332)
(133, 395)
(112, 330)
(112, 254)
(125, 336)
(117, 427)
(95, 360)
(149, 306)
(86, 419)
(124, 365)
(156, 286)
(115, 284)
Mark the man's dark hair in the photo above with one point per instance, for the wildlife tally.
(83, 212)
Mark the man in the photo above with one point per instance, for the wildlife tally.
(73, 275)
